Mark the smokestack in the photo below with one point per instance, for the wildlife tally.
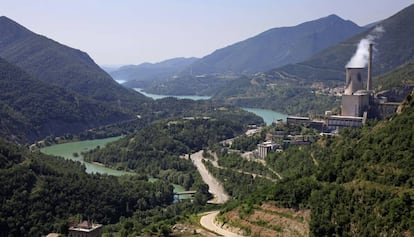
(369, 80)
(354, 80)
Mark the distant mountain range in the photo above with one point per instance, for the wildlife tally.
(277, 47)
(52, 62)
(31, 109)
(268, 50)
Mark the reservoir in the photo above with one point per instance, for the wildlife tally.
(67, 151)
(269, 116)
(156, 97)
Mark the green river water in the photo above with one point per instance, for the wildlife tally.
(67, 151)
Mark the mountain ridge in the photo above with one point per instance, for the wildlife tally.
(289, 44)
(144, 72)
(53, 62)
(31, 109)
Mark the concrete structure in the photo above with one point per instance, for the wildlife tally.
(355, 101)
(356, 104)
(335, 122)
(265, 147)
(85, 229)
(306, 121)
(354, 81)
(297, 120)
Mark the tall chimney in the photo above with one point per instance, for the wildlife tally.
(369, 80)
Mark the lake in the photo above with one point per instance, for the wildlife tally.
(269, 116)
(67, 151)
(156, 97)
(121, 81)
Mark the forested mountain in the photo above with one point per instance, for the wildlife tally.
(145, 73)
(393, 47)
(41, 194)
(401, 76)
(52, 62)
(32, 109)
(358, 183)
(158, 146)
(277, 47)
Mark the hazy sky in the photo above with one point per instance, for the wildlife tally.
(136, 31)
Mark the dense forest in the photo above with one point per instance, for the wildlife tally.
(158, 146)
(32, 109)
(41, 194)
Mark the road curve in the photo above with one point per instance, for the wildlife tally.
(215, 188)
(207, 221)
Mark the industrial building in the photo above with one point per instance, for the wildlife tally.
(265, 147)
(356, 99)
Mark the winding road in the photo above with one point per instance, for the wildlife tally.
(207, 221)
(215, 187)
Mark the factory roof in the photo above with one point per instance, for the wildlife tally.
(345, 117)
(295, 117)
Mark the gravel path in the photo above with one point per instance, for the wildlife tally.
(220, 196)
(207, 222)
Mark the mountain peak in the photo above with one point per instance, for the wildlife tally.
(11, 30)
(5, 21)
(333, 17)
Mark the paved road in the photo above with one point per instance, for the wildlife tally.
(220, 196)
(207, 222)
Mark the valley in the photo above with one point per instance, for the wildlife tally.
(193, 146)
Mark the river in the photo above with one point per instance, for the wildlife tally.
(67, 151)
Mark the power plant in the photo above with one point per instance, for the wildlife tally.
(359, 102)
(356, 99)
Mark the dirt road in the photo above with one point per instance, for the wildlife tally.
(207, 222)
(215, 188)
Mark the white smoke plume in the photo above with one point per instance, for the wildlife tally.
(361, 56)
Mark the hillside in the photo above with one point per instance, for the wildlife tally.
(31, 109)
(41, 194)
(393, 48)
(358, 183)
(401, 76)
(139, 75)
(52, 62)
(277, 47)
